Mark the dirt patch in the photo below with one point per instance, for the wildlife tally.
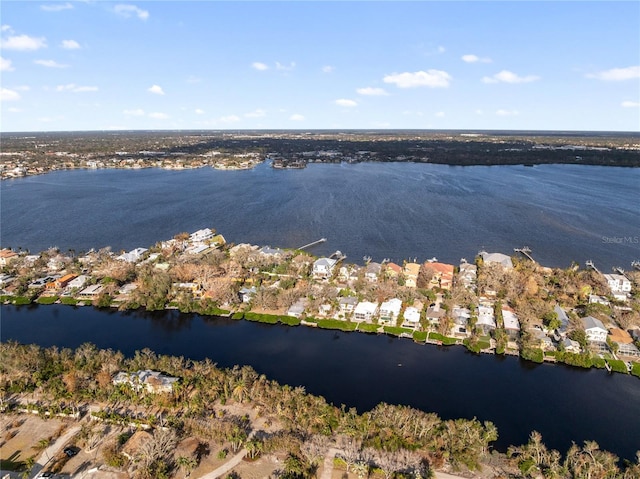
(259, 469)
(21, 434)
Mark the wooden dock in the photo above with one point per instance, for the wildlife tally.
(321, 240)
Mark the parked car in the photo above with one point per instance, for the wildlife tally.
(71, 450)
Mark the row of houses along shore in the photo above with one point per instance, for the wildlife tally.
(428, 301)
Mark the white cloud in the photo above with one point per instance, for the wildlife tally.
(136, 112)
(56, 7)
(259, 66)
(475, 59)
(371, 91)
(258, 113)
(128, 11)
(198, 111)
(6, 28)
(9, 95)
(328, 69)
(50, 64)
(14, 110)
(156, 89)
(229, 119)
(23, 42)
(5, 65)
(345, 102)
(505, 76)
(479, 112)
(440, 114)
(441, 49)
(72, 87)
(430, 78)
(23, 88)
(70, 44)
(502, 112)
(617, 74)
(156, 115)
(296, 117)
(630, 104)
(280, 66)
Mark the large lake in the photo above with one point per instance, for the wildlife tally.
(563, 213)
(360, 370)
(382, 210)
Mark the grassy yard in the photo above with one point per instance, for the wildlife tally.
(47, 299)
(368, 328)
(336, 324)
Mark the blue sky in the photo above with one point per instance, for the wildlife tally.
(97, 65)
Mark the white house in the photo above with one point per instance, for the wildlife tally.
(619, 285)
(390, 310)
(365, 311)
(152, 381)
(372, 272)
(571, 346)
(77, 283)
(411, 317)
(497, 258)
(347, 305)
(594, 329)
(486, 319)
(563, 318)
(323, 267)
(201, 235)
(297, 308)
(468, 275)
(511, 323)
(132, 256)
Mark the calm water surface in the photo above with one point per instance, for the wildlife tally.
(383, 210)
(361, 370)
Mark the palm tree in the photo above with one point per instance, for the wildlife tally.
(187, 464)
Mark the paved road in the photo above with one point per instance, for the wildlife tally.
(226, 467)
(52, 450)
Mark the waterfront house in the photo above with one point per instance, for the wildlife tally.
(365, 311)
(77, 283)
(151, 381)
(497, 258)
(246, 294)
(91, 292)
(442, 275)
(393, 270)
(270, 252)
(628, 349)
(347, 305)
(297, 309)
(619, 285)
(411, 317)
(372, 271)
(389, 311)
(64, 281)
(323, 268)
(132, 256)
(7, 257)
(194, 289)
(570, 346)
(348, 273)
(486, 320)
(620, 336)
(594, 329)
(511, 323)
(544, 341)
(201, 235)
(434, 314)
(411, 271)
(468, 275)
(5, 280)
(563, 318)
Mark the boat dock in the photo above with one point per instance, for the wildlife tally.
(321, 240)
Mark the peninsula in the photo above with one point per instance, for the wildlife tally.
(496, 304)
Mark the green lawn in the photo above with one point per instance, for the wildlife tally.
(368, 328)
(262, 318)
(336, 324)
(617, 366)
(397, 331)
(47, 299)
(635, 369)
(290, 320)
